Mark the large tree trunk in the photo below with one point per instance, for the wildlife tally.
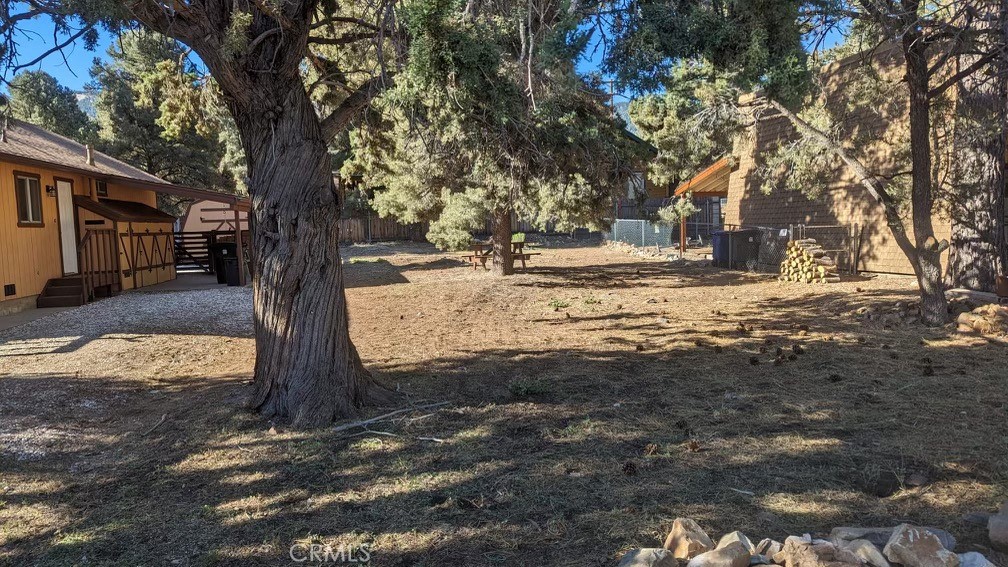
(502, 262)
(307, 370)
(978, 240)
(934, 306)
(977, 244)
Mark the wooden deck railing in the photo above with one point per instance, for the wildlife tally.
(192, 250)
(148, 250)
(98, 259)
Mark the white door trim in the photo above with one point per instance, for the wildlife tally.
(67, 226)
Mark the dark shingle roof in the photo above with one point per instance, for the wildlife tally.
(127, 211)
(29, 142)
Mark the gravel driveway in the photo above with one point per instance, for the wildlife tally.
(227, 310)
(66, 376)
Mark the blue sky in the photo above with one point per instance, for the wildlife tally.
(73, 73)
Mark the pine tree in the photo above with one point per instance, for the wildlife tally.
(37, 98)
(486, 121)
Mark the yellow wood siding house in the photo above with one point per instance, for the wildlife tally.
(76, 224)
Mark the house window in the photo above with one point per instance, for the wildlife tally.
(101, 188)
(635, 186)
(29, 199)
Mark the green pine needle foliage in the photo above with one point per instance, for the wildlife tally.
(473, 128)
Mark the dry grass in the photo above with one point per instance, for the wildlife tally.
(593, 400)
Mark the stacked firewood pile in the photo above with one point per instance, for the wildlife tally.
(806, 261)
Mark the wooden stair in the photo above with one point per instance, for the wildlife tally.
(62, 292)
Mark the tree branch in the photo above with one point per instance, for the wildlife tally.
(345, 20)
(58, 47)
(171, 21)
(961, 74)
(869, 181)
(872, 183)
(341, 40)
(9, 21)
(340, 118)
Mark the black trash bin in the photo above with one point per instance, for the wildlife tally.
(219, 253)
(231, 270)
(744, 248)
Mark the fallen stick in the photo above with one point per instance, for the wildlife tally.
(385, 433)
(419, 417)
(390, 434)
(364, 422)
(156, 425)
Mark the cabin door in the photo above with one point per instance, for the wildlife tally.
(67, 225)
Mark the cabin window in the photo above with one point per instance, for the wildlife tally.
(101, 188)
(636, 188)
(29, 200)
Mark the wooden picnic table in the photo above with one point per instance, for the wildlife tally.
(523, 257)
(483, 251)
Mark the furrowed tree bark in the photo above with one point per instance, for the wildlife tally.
(978, 233)
(934, 306)
(307, 370)
(501, 222)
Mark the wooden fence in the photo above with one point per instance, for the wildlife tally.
(149, 250)
(376, 229)
(192, 249)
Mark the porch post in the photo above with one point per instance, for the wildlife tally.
(117, 261)
(241, 251)
(682, 236)
(132, 254)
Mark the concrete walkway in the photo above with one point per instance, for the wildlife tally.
(186, 282)
(27, 316)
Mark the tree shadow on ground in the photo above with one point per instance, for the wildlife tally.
(638, 274)
(371, 274)
(608, 448)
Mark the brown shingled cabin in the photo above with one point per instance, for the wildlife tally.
(845, 204)
(76, 224)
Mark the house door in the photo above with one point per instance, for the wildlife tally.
(67, 225)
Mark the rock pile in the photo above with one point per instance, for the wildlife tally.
(888, 315)
(904, 545)
(990, 319)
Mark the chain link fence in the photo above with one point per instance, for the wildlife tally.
(641, 233)
(839, 241)
(645, 233)
(773, 248)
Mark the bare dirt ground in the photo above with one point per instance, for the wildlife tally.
(591, 401)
